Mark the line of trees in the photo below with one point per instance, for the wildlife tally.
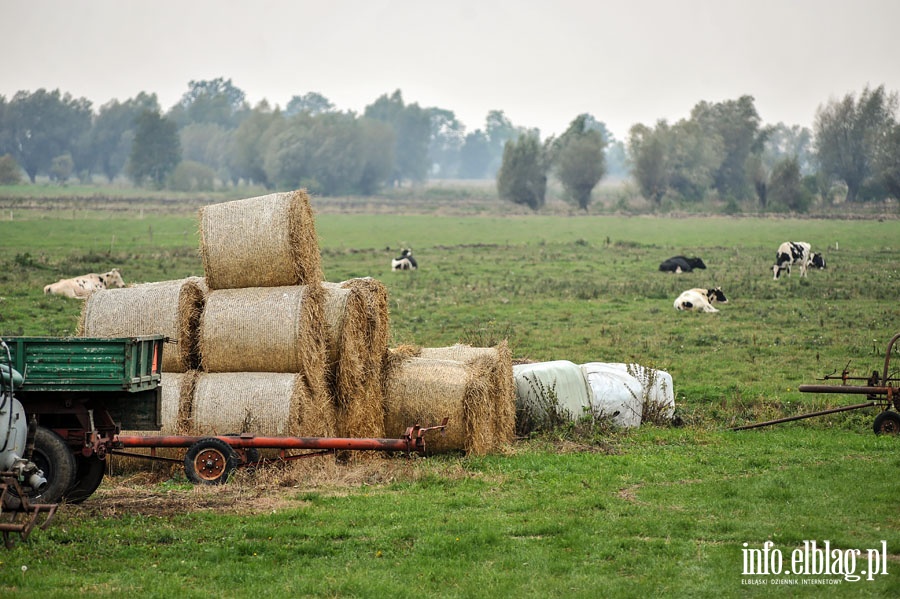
(722, 150)
(212, 134)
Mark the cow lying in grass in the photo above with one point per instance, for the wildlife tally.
(81, 287)
(796, 252)
(405, 261)
(700, 300)
(679, 264)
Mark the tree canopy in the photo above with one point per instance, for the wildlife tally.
(579, 158)
(156, 150)
(41, 126)
(522, 178)
(851, 136)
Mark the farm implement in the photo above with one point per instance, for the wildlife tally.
(77, 394)
(210, 460)
(882, 390)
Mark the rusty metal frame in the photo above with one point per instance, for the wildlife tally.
(880, 390)
(22, 520)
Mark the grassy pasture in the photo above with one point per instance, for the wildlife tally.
(659, 509)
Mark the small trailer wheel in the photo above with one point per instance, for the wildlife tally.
(887, 423)
(210, 461)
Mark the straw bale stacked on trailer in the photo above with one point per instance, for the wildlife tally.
(265, 403)
(267, 241)
(426, 390)
(170, 308)
(354, 381)
(497, 361)
(270, 330)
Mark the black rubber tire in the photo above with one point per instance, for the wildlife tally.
(210, 461)
(56, 460)
(88, 476)
(887, 423)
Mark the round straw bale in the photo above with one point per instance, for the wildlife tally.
(497, 361)
(263, 403)
(263, 329)
(376, 296)
(267, 241)
(424, 391)
(353, 380)
(170, 308)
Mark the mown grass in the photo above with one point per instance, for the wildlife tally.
(608, 514)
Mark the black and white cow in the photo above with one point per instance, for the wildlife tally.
(796, 252)
(405, 261)
(679, 264)
(700, 300)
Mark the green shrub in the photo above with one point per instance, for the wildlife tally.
(10, 173)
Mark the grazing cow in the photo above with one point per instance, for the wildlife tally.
(700, 300)
(405, 261)
(81, 287)
(796, 252)
(679, 264)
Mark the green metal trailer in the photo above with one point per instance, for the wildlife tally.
(82, 391)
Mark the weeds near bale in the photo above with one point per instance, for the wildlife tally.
(545, 413)
(547, 421)
(653, 410)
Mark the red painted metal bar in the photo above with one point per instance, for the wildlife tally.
(248, 441)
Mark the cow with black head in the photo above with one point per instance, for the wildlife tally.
(679, 264)
(405, 261)
(796, 252)
(700, 300)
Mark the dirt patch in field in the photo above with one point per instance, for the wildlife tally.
(269, 489)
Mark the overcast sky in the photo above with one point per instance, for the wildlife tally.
(541, 63)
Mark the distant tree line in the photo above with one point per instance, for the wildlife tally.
(213, 136)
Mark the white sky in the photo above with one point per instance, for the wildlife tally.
(541, 62)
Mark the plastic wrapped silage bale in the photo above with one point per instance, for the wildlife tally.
(549, 391)
(631, 393)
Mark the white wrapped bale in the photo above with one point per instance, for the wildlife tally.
(631, 393)
(547, 391)
(614, 394)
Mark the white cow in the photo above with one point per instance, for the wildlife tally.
(700, 300)
(83, 286)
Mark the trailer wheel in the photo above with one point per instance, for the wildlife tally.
(209, 461)
(56, 460)
(250, 453)
(88, 475)
(887, 423)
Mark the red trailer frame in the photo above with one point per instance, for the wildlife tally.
(211, 459)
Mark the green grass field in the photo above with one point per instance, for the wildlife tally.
(606, 514)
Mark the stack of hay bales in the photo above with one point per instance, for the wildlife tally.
(262, 333)
(263, 344)
(470, 385)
